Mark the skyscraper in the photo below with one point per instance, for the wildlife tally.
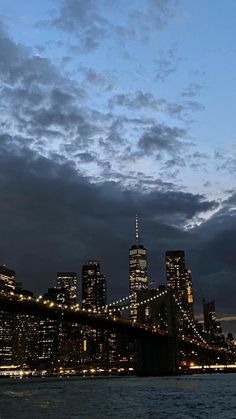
(94, 289)
(137, 271)
(7, 280)
(94, 296)
(7, 285)
(179, 279)
(211, 325)
(68, 281)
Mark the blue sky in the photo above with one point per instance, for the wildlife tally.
(109, 108)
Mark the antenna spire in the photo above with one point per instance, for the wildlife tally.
(136, 229)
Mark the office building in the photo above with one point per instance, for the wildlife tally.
(137, 271)
(94, 292)
(7, 280)
(179, 279)
(211, 325)
(94, 296)
(7, 285)
(68, 280)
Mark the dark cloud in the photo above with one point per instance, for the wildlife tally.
(139, 101)
(162, 138)
(86, 157)
(136, 101)
(53, 218)
(213, 257)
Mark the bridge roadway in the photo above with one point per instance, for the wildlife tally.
(150, 338)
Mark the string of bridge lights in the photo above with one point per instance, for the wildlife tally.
(140, 303)
(110, 307)
(189, 321)
(148, 300)
(137, 304)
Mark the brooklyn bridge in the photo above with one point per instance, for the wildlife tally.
(161, 347)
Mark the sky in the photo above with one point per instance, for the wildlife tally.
(110, 109)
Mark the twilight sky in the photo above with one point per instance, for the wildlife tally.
(111, 108)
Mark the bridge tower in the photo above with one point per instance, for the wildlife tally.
(158, 355)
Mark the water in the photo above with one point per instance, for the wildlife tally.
(196, 396)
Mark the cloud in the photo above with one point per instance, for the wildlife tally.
(162, 138)
(157, 13)
(83, 19)
(92, 24)
(140, 101)
(96, 79)
(192, 90)
(167, 64)
(136, 101)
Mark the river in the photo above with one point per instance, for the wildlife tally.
(194, 396)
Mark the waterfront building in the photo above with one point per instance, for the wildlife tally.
(68, 280)
(7, 280)
(211, 325)
(6, 341)
(179, 279)
(94, 289)
(94, 296)
(151, 313)
(7, 285)
(137, 271)
(58, 295)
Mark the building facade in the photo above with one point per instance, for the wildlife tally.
(68, 281)
(212, 326)
(94, 289)
(179, 280)
(137, 271)
(7, 280)
(94, 296)
(7, 320)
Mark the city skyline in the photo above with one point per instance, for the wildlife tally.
(111, 109)
(166, 311)
(90, 288)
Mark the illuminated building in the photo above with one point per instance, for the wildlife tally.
(93, 286)
(94, 296)
(211, 325)
(7, 285)
(25, 333)
(68, 280)
(153, 312)
(47, 339)
(58, 295)
(179, 279)
(6, 342)
(137, 271)
(7, 280)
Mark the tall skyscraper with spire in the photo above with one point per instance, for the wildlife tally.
(137, 270)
